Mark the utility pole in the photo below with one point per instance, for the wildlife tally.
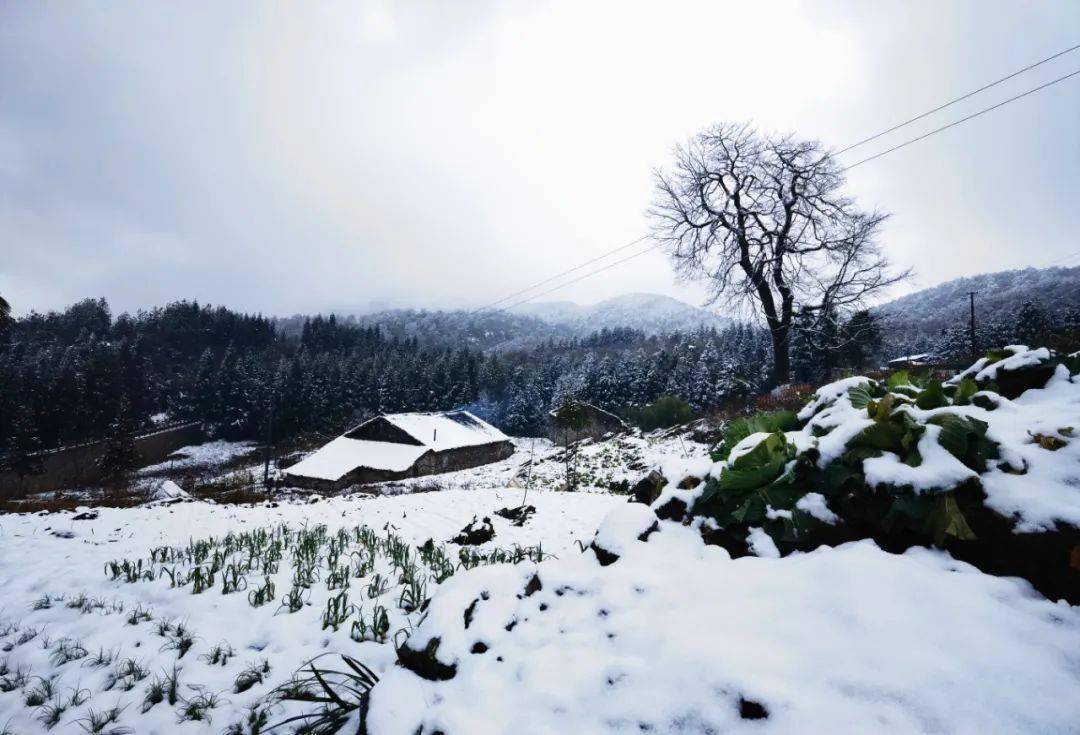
(974, 350)
(528, 475)
(269, 437)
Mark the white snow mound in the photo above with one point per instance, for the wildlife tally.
(850, 639)
(624, 527)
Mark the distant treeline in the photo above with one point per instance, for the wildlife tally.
(77, 375)
(1031, 323)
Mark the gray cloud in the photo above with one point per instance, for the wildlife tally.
(296, 158)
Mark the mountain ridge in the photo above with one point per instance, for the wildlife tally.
(533, 324)
(651, 313)
(946, 303)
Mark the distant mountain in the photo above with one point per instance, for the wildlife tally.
(486, 330)
(533, 324)
(918, 319)
(945, 304)
(650, 313)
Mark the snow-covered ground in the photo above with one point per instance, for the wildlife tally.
(208, 453)
(65, 560)
(597, 466)
(672, 636)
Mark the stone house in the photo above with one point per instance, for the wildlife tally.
(400, 445)
(598, 424)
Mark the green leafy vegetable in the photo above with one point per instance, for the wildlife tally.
(860, 396)
(739, 429)
(964, 391)
(932, 397)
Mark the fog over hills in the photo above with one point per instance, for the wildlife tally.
(532, 324)
(916, 319)
(651, 313)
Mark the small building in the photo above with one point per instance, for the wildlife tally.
(400, 445)
(910, 362)
(598, 424)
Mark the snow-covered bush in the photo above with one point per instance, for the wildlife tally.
(977, 464)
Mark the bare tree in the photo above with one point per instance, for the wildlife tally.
(762, 219)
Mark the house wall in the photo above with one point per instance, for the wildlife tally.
(600, 424)
(463, 458)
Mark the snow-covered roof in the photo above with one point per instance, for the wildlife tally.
(435, 431)
(446, 429)
(921, 357)
(554, 413)
(343, 455)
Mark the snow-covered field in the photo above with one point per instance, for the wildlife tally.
(63, 560)
(186, 617)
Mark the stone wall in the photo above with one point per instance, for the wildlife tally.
(74, 466)
(463, 458)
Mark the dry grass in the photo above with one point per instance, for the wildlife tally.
(57, 502)
(787, 398)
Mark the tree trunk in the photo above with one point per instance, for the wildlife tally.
(781, 356)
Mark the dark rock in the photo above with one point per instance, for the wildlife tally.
(606, 557)
(688, 483)
(751, 710)
(477, 532)
(479, 647)
(424, 664)
(470, 611)
(517, 516)
(672, 510)
(647, 489)
(1011, 383)
(644, 535)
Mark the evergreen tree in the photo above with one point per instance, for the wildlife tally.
(23, 443)
(120, 457)
(524, 410)
(860, 338)
(1033, 325)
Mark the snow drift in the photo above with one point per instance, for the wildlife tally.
(674, 636)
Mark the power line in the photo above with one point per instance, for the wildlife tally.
(560, 275)
(1066, 259)
(843, 150)
(961, 98)
(581, 278)
(846, 168)
(962, 120)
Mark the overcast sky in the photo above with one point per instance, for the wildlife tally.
(296, 157)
